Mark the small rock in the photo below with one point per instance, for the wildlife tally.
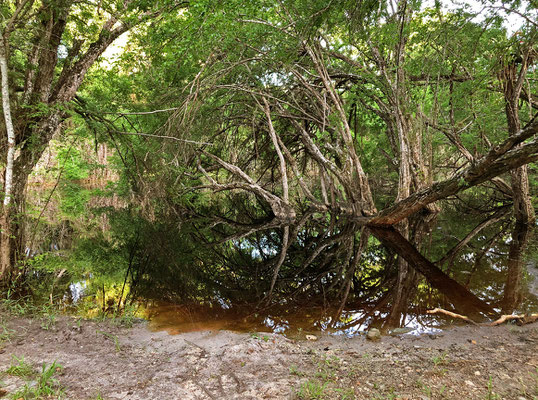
(373, 334)
(477, 373)
(469, 383)
(311, 337)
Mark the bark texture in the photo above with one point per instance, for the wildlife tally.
(512, 77)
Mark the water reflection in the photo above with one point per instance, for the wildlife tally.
(337, 276)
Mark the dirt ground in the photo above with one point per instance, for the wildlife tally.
(105, 361)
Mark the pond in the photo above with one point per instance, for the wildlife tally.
(341, 278)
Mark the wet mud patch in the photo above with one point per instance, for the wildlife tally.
(102, 360)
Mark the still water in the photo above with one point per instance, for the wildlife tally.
(339, 278)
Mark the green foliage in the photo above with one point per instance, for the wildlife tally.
(312, 389)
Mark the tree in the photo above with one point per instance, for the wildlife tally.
(49, 46)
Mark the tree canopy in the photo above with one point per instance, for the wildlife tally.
(221, 119)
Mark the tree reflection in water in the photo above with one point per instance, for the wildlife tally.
(341, 276)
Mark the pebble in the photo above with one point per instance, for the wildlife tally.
(311, 337)
(469, 383)
(477, 373)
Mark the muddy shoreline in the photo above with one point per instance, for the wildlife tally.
(102, 360)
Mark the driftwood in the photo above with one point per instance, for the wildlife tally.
(521, 319)
(451, 314)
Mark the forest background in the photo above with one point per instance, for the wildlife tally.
(223, 134)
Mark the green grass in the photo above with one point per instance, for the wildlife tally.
(440, 359)
(311, 390)
(295, 371)
(20, 368)
(491, 395)
(45, 387)
(5, 333)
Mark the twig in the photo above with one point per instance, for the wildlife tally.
(195, 345)
(139, 112)
(162, 137)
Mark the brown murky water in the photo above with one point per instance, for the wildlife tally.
(478, 267)
(293, 323)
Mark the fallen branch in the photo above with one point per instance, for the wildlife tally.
(500, 159)
(523, 319)
(451, 314)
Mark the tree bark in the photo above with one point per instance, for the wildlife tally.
(512, 81)
(514, 275)
(5, 220)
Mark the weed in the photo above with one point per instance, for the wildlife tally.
(327, 368)
(19, 367)
(346, 394)
(46, 385)
(294, 370)
(20, 306)
(48, 322)
(112, 337)
(491, 395)
(440, 359)
(312, 389)
(126, 317)
(427, 390)
(535, 377)
(5, 333)
(441, 371)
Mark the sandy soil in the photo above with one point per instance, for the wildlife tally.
(104, 361)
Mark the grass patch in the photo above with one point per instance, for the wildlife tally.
(45, 386)
(312, 389)
(19, 367)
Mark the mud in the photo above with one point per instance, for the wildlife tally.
(102, 360)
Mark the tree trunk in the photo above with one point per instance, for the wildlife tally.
(461, 298)
(5, 218)
(34, 131)
(512, 81)
(514, 275)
